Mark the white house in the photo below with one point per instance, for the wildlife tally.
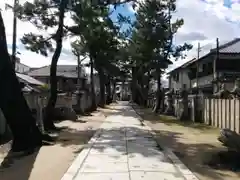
(19, 67)
(210, 71)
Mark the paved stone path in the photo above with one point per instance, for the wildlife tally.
(123, 149)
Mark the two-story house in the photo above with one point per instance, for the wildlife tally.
(209, 71)
(20, 67)
(67, 76)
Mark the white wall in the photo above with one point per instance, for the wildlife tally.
(21, 68)
(202, 81)
(183, 79)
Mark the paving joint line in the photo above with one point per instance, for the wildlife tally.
(169, 153)
(91, 142)
(129, 172)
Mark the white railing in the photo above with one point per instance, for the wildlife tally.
(202, 81)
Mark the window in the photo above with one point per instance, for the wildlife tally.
(200, 67)
(210, 68)
(176, 77)
(75, 81)
(192, 72)
(204, 67)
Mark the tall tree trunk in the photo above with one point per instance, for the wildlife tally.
(102, 87)
(114, 90)
(142, 91)
(79, 95)
(108, 90)
(93, 94)
(146, 90)
(48, 119)
(26, 134)
(158, 93)
(134, 85)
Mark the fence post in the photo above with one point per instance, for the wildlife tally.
(217, 112)
(229, 120)
(238, 115)
(225, 109)
(210, 111)
(234, 111)
(40, 105)
(221, 110)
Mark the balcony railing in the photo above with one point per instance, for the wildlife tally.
(202, 81)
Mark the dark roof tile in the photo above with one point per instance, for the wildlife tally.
(229, 47)
(69, 71)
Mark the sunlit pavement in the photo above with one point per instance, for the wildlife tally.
(123, 149)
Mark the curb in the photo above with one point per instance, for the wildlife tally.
(79, 160)
(181, 167)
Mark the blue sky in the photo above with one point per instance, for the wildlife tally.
(124, 10)
(205, 20)
(227, 3)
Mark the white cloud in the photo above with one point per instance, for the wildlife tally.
(204, 22)
(28, 57)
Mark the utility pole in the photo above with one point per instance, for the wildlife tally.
(214, 63)
(198, 55)
(14, 47)
(78, 69)
(14, 33)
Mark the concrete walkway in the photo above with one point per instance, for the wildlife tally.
(123, 149)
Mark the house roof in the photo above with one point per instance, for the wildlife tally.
(69, 71)
(231, 47)
(29, 80)
(183, 65)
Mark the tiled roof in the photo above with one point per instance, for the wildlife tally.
(69, 71)
(29, 79)
(229, 47)
(183, 65)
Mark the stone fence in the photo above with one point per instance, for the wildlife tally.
(64, 102)
(223, 113)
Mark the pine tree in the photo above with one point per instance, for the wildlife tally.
(152, 44)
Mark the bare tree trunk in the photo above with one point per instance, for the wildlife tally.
(108, 90)
(114, 90)
(158, 93)
(134, 85)
(79, 95)
(102, 87)
(146, 90)
(48, 119)
(26, 134)
(93, 94)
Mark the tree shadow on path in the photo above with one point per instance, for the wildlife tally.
(15, 166)
(195, 144)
